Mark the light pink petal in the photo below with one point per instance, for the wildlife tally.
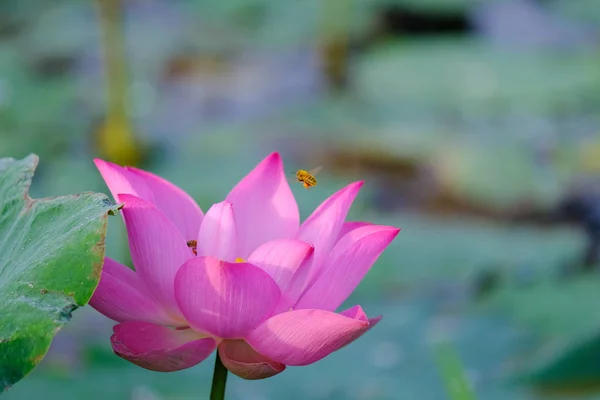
(157, 248)
(350, 226)
(175, 203)
(288, 262)
(264, 206)
(122, 296)
(305, 336)
(281, 259)
(346, 266)
(217, 236)
(158, 348)
(297, 286)
(224, 299)
(322, 228)
(245, 362)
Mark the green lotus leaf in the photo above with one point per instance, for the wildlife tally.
(51, 253)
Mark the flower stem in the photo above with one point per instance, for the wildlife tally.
(217, 392)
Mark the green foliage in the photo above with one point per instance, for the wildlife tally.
(51, 253)
(562, 313)
(452, 371)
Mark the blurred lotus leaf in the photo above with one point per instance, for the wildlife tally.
(563, 315)
(51, 253)
(583, 10)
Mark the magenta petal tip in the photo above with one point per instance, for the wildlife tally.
(274, 155)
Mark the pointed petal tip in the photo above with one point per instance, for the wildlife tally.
(103, 166)
(395, 231)
(100, 163)
(98, 160)
(308, 247)
(348, 262)
(273, 160)
(357, 313)
(262, 196)
(354, 186)
(130, 200)
(351, 190)
(274, 156)
(323, 226)
(224, 203)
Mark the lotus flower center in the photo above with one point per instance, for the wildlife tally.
(240, 260)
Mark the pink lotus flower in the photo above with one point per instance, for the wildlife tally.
(262, 289)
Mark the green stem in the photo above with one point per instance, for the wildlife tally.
(217, 392)
(453, 373)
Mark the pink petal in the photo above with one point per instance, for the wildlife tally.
(224, 299)
(175, 203)
(281, 259)
(288, 262)
(357, 313)
(303, 337)
(242, 360)
(217, 236)
(323, 227)
(122, 296)
(264, 206)
(346, 266)
(350, 226)
(122, 180)
(158, 348)
(157, 248)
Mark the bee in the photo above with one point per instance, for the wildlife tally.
(192, 244)
(307, 178)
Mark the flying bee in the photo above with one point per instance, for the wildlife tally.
(307, 178)
(192, 244)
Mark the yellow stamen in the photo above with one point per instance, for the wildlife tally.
(240, 260)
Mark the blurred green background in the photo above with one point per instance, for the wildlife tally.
(475, 124)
